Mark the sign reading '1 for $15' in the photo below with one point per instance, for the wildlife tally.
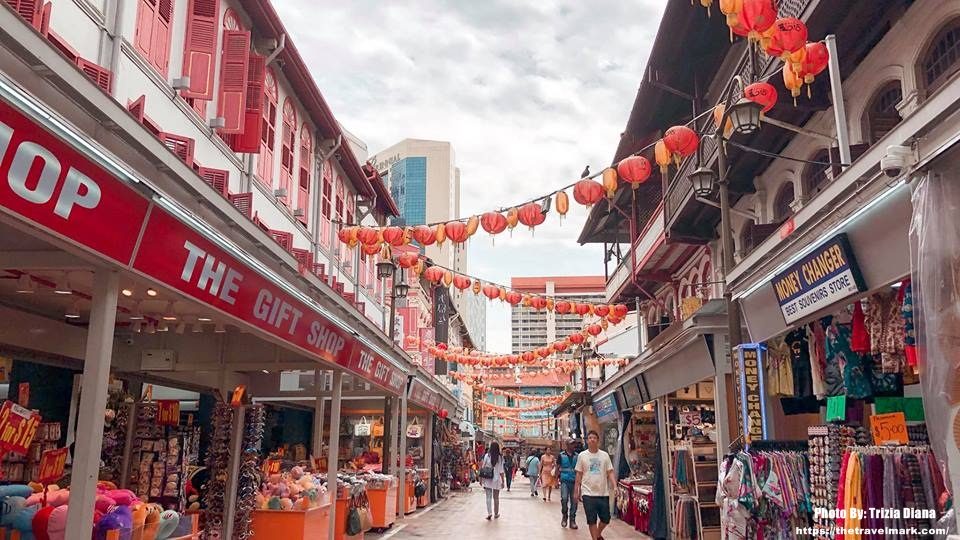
(825, 276)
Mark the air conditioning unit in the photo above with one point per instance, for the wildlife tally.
(217, 123)
(298, 212)
(180, 83)
(280, 192)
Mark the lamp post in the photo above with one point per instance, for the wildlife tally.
(585, 352)
(400, 289)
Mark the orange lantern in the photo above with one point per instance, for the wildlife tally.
(538, 302)
(731, 9)
(476, 286)
(634, 169)
(514, 298)
(491, 291)
(577, 338)
(757, 16)
(393, 236)
(562, 307)
(815, 60)
(440, 231)
(472, 223)
(718, 116)
(681, 141)
(408, 260)
(549, 305)
(786, 36)
(587, 192)
(792, 80)
(562, 203)
(502, 294)
(662, 156)
(594, 329)
(583, 309)
(368, 235)
(531, 215)
(461, 282)
(433, 274)
(493, 222)
(601, 310)
(620, 310)
(371, 249)
(614, 320)
(447, 277)
(513, 216)
(424, 235)
(410, 341)
(763, 93)
(456, 231)
(348, 235)
(610, 181)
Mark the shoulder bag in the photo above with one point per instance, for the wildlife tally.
(377, 429)
(362, 428)
(486, 471)
(414, 429)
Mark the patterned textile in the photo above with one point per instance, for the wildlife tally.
(909, 332)
(779, 368)
(818, 359)
(887, 335)
(855, 370)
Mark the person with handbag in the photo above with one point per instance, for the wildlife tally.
(492, 478)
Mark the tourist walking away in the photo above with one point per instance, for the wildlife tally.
(548, 473)
(509, 464)
(566, 463)
(492, 478)
(533, 472)
(595, 481)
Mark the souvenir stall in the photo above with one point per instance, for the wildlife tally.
(635, 489)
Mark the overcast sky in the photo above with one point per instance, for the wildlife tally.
(528, 93)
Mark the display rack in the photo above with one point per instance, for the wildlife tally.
(698, 455)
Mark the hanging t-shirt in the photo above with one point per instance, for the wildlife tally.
(800, 363)
(817, 340)
(856, 370)
(833, 372)
(779, 369)
(595, 468)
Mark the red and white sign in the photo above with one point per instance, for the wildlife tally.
(45, 181)
(18, 426)
(423, 395)
(50, 184)
(168, 412)
(51, 465)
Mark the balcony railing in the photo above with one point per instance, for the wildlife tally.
(647, 241)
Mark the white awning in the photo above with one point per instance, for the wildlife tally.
(626, 344)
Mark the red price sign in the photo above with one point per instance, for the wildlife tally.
(271, 466)
(51, 465)
(890, 427)
(17, 427)
(168, 412)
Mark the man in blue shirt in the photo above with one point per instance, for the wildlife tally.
(568, 479)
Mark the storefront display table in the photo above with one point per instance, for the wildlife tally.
(340, 531)
(383, 505)
(292, 524)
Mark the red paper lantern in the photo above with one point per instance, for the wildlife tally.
(681, 141)
(514, 298)
(410, 341)
(408, 260)
(531, 215)
(577, 338)
(444, 413)
(538, 302)
(582, 309)
(442, 346)
(562, 307)
(457, 231)
(620, 310)
(544, 352)
(528, 357)
(786, 36)
(560, 346)
(757, 16)
(816, 60)
(491, 291)
(587, 192)
(763, 93)
(493, 222)
(614, 320)
(371, 249)
(594, 329)
(368, 235)
(461, 282)
(424, 235)
(634, 169)
(347, 235)
(393, 236)
(433, 274)
(601, 310)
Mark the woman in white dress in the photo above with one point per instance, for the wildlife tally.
(492, 478)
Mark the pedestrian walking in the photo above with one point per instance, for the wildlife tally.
(533, 472)
(566, 463)
(492, 479)
(548, 473)
(509, 466)
(595, 481)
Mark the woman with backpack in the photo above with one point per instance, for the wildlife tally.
(492, 478)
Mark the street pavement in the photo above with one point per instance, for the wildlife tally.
(463, 516)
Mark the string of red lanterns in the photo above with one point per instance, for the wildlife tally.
(507, 393)
(532, 408)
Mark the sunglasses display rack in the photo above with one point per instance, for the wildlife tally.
(248, 479)
(218, 463)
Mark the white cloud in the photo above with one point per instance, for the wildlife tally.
(527, 92)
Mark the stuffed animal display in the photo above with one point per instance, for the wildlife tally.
(293, 490)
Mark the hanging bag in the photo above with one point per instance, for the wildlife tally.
(414, 429)
(362, 428)
(366, 518)
(354, 525)
(377, 428)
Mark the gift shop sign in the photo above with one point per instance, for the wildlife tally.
(45, 181)
(18, 426)
(753, 407)
(423, 395)
(827, 275)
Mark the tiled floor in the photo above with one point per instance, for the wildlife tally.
(522, 517)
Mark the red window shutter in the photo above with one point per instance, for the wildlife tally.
(160, 46)
(64, 47)
(233, 80)
(179, 145)
(242, 202)
(30, 10)
(137, 107)
(143, 33)
(249, 141)
(45, 19)
(200, 47)
(284, 238)
(99, 75)
(219, 179)
(305, 259)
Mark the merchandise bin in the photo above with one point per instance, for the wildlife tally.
(383, 505)
(292, 524)
(340, 530)
(424, 501)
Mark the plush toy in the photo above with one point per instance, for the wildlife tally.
(261, 501)
(23, 521)
(273, 503)
(169, 520)
(152, 521)
(286, 503)
(296, 473)
(139, 512)
(57, 526)
(123, 497)
(41, 522)
(57, 497)
(119, 518)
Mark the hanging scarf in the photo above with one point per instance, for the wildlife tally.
(859, 335)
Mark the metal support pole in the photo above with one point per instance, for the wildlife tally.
(726, 237)
(319, 406)
(93, 401)
(402, 454)
(233, 471)
(394, 439)
(333, 449)
(836, 91)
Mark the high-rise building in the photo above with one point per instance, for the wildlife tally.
(533, 328)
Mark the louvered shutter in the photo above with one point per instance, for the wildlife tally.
(233, 80)
(30, 10)
(200, 47)
(179, 145)
(219, 179)
(137, 107)
(99, 75)
(143, 33)
(45, 19)
(249, 140)
(160, 49)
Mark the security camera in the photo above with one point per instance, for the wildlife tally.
(897, 160)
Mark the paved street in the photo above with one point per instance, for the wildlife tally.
(463, 516)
